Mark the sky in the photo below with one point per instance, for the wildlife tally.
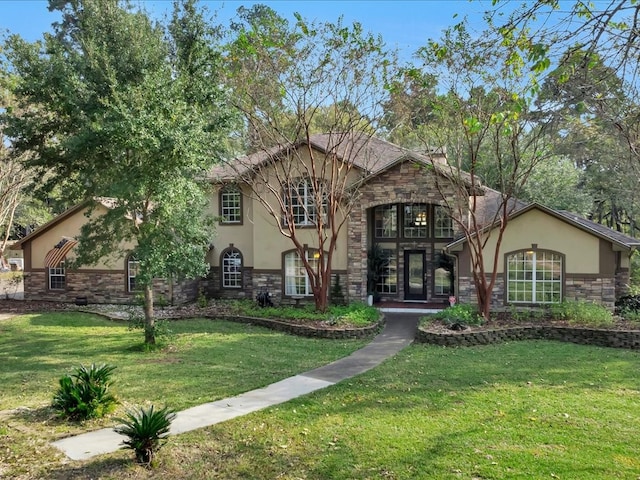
(403, 24)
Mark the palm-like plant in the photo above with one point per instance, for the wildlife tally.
(146, 428)
(85, 393)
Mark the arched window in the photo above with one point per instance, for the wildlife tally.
(534, 276)
(302, 204)
(231, 204)
(296, 280)
(133, 266)
(231, 263)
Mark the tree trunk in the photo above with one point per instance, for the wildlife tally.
(149, 321)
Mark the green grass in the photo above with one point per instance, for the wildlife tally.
(206, 360)
(518, 410)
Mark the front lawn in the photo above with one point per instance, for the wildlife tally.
(205, 360)
(518, 410)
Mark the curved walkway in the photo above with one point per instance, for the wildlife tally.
(399, 332)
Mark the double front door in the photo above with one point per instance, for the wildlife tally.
(415, 275)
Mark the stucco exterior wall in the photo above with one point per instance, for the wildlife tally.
(548, 233)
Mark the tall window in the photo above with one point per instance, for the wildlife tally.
(388, 278)
(442, 281)
(296, 279)
(443, 224)
(231, 268)
(302, 204)
(534, 277)
(415, 221)
(231, 204)
(57, 277)
(133, 265)
(386, 221)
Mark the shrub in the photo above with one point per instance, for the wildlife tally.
(581, 313)
(145, 429)
(355, 314)
(460, 313)
(85, 394)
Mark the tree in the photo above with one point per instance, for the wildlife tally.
(121, 108)
(14, 177)
(483, 119)
(289, 83)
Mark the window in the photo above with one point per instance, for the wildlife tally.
(386, 221)
(415, 221)
(388, 278)
(534, 277)
(231, 268)
(57, 277)
(442, 282)
(301, 203)
(296, 279)
(443, 225)
(231, 204)
(133, 266)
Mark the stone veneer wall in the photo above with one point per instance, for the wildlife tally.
(403, 183)
(577, 287)
(103, 287)
(256, 281)
(622, 282)
(585, 336)
(467, 291)
(590, 288)
(212, 285)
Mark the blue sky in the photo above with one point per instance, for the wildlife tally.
(405, 24)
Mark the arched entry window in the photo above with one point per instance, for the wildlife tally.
(231, 263)
(534, 276)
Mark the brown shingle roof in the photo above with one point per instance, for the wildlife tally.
(370, 154)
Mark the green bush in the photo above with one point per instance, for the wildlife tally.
(355, 314)
(460, 313)
(146, 430)
(85, 393)
(580, 312)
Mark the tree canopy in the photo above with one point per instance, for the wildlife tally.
(117, 106)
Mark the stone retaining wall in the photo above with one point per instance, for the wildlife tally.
(585, 336)
(307, 331)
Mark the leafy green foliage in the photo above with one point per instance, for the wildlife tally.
(146, 430)
(581, 313)
(460, 313)
(85, 393)
(131, 112)
(355, 314)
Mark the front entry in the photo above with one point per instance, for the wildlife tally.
(415, 287)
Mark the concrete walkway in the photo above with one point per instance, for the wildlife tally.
(399, 332)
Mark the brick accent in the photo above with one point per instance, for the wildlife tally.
(590, 288)
(104, 287)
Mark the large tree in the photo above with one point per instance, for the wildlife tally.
(482, 116)
(118, 106)
(291, 82)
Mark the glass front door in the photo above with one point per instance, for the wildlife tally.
(415, 287)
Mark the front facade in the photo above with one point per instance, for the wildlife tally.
(399, 214)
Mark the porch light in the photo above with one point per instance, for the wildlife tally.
(316, 255)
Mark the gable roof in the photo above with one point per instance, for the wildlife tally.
(50, 224)
(370, 154)
(104, 201)
(596, 229)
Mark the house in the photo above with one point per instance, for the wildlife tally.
(48, 250)
(396, 203)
